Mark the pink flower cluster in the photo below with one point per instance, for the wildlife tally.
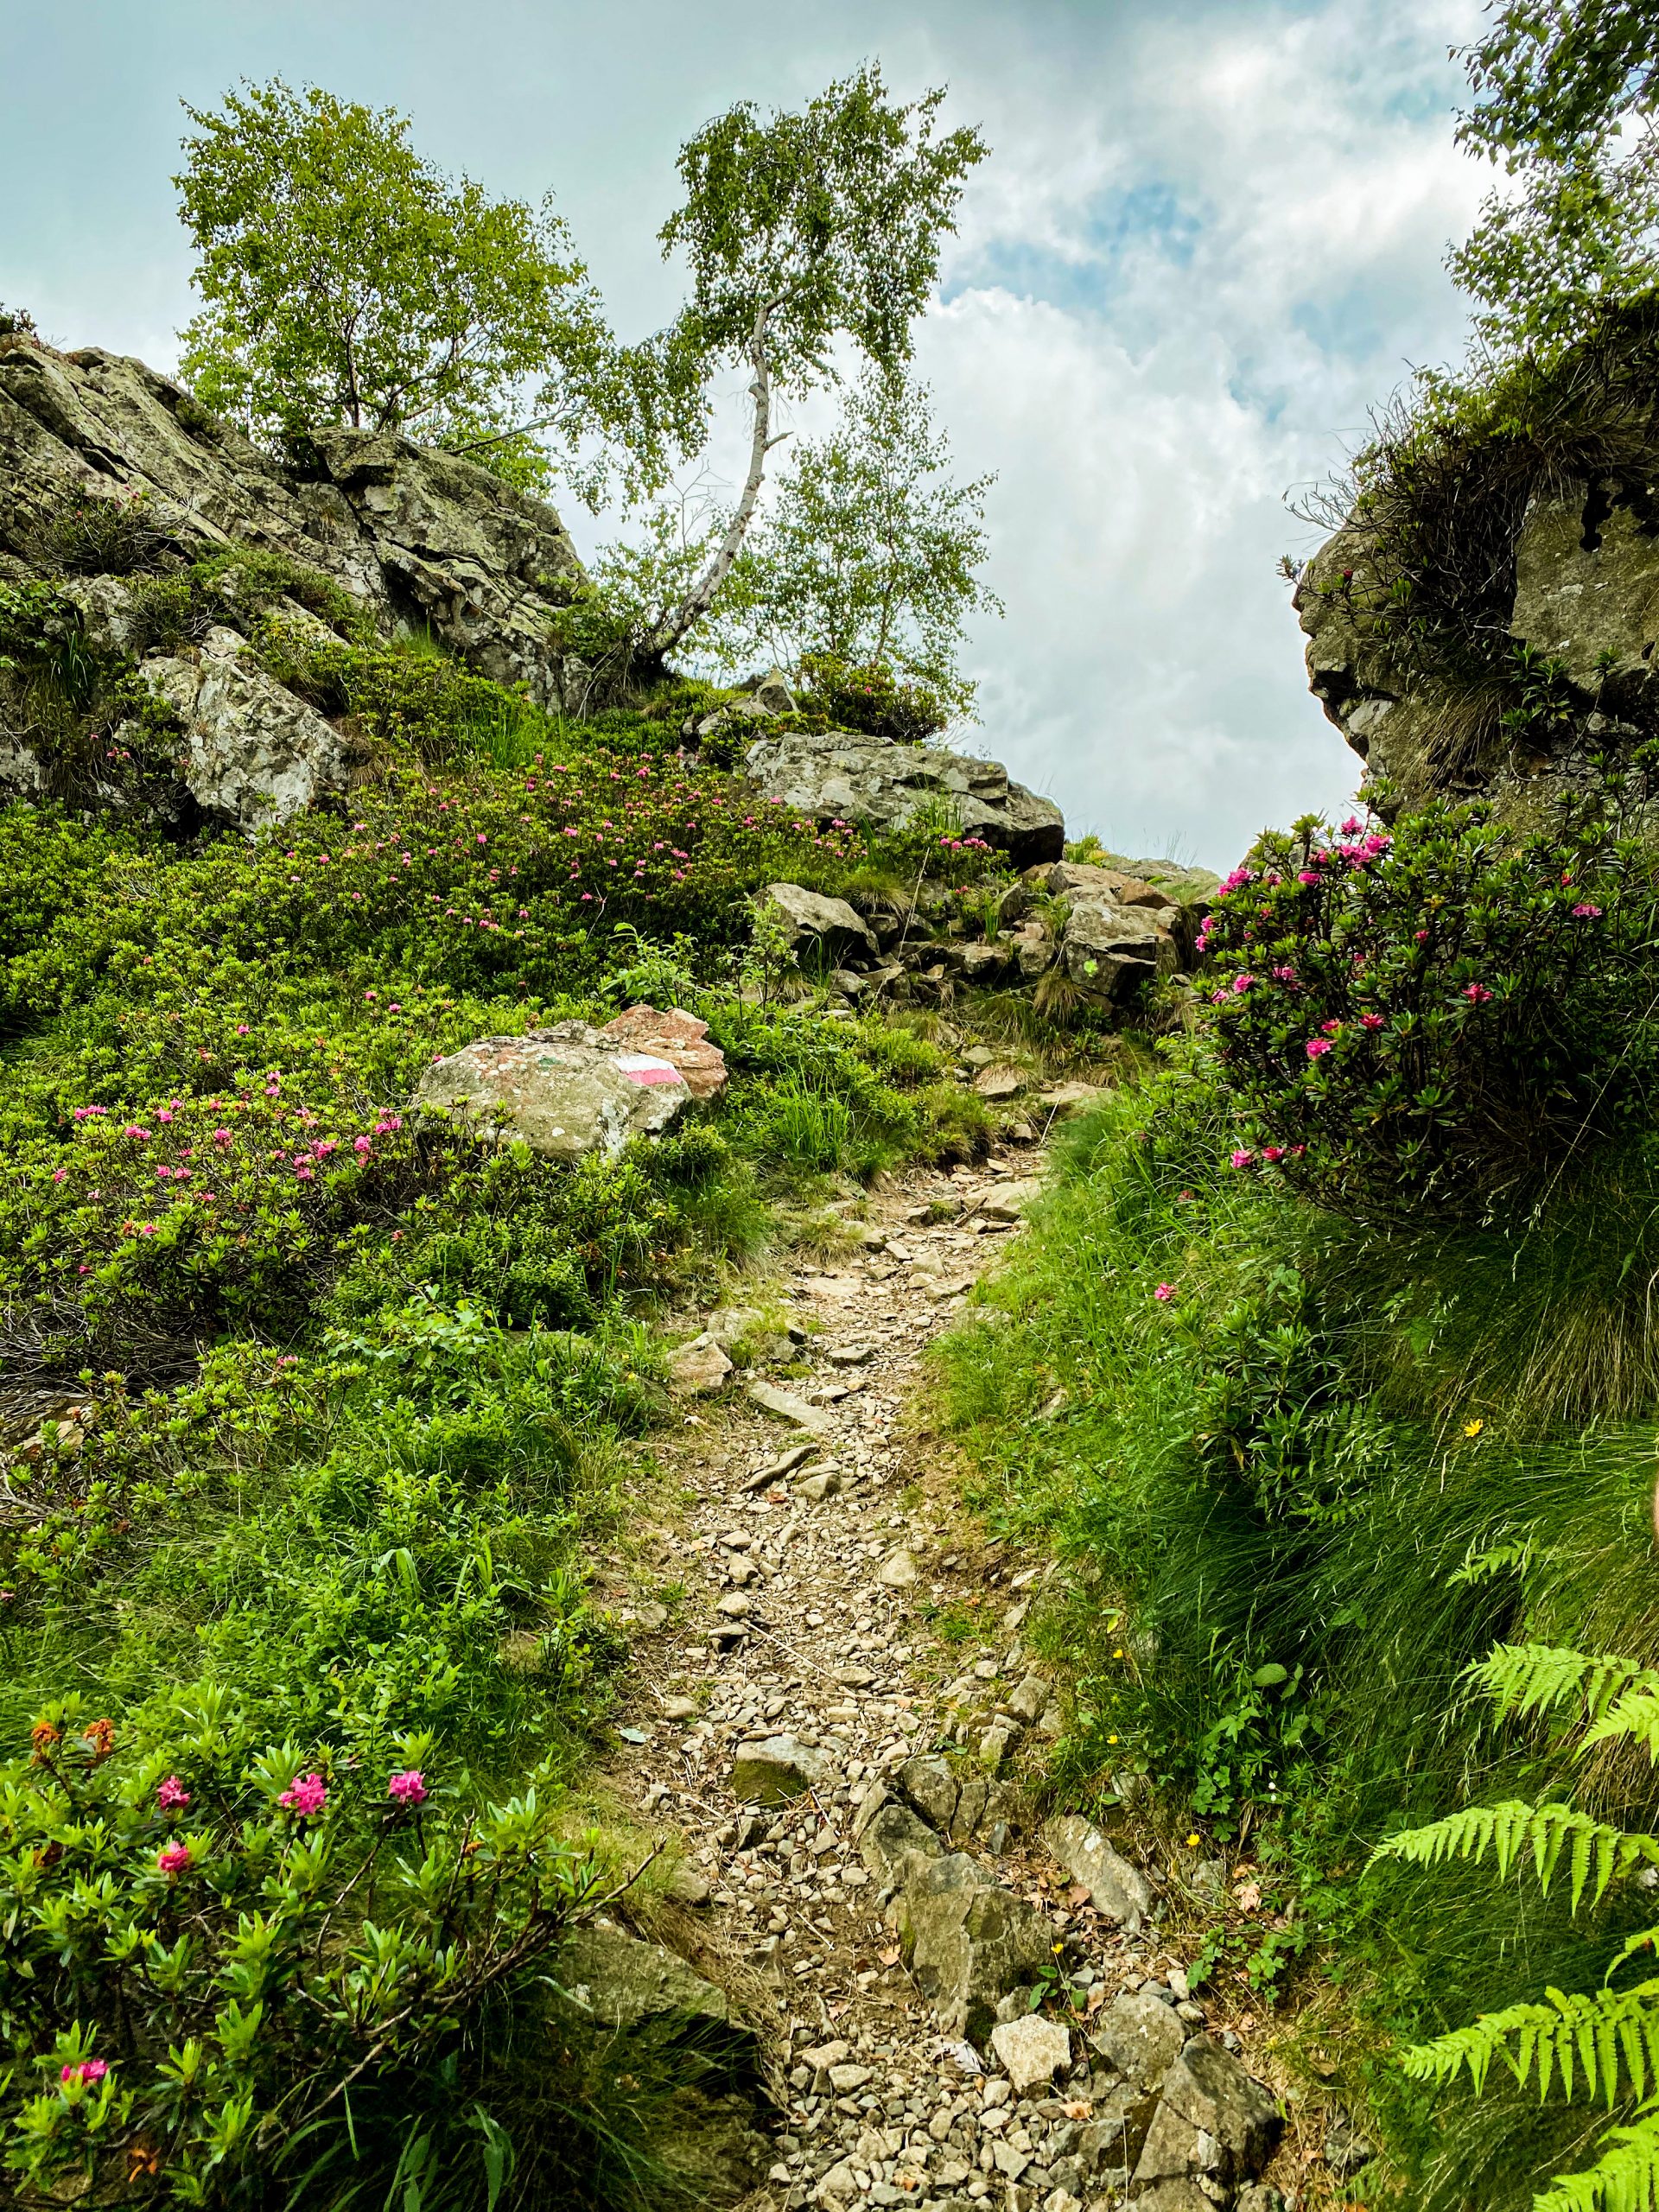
(408, 1788)
(87, 2072)
(305, 1797)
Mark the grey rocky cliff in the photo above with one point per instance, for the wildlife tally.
(420, 537)
(1577, 586)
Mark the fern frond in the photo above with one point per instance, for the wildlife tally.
(1635, 1713)
(1625, 2178)
(1482, 1565)
(1515, 1830)
(1611, 2035)
(1538, 1677)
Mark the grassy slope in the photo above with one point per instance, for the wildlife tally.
(1269, 1489)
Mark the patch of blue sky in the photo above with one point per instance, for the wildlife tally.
(1352, 324)
(1146, 222)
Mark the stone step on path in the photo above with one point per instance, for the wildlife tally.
(847, 1787)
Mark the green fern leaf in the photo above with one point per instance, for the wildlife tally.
(1625, 2178)
(1635, 1713)
(1606, 2037)
(1482, 1565)
(1540, 1677)
(1514, 1829)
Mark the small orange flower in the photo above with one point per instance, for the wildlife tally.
(142, 2158)
(101, 1737)
(45, 1739)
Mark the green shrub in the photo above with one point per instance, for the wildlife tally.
(93, 536)
(1440, 1019)
(871, 698)
(204, 1943)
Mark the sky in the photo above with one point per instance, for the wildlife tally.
(1208, 240)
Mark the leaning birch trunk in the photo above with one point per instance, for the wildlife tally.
(700, 597)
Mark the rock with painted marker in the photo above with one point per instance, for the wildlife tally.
(564, 1092)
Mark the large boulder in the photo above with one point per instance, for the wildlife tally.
(837, 776)
(253, 755)
(644, 2012)
(676, 1036)
(812, 922)
(565, 1091)
(1212, 2120)
(1106, 948)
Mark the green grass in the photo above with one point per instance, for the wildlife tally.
(1300, 1498)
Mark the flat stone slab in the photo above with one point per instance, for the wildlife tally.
(770, 1770)
(566, 1090)
(787, 1407)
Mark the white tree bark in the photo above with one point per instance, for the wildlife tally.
(700, 597)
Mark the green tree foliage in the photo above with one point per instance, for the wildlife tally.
(346, 280)
(869, 552)
(1566, 91)
(802, 230)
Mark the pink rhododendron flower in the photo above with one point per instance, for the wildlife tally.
(174, 1858)
(1587, 912)
(1243, 1158)
(1370, 1022)
(1272, 1152)
(172, 1796)
(306, 1796)
(1306, 875)
(409, 1788)
(1242, 983)
(1477, 994)
(1317, 1046)
(86, 2071)
(1163, 1293)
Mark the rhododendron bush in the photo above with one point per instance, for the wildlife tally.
(204, 1941)
(1432, 1018)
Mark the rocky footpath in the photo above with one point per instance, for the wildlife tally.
(962, 2005)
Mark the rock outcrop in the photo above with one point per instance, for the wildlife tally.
(837, 776)
(1576, 585)
(252, 753)
(418, 536)
(564, 1092)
